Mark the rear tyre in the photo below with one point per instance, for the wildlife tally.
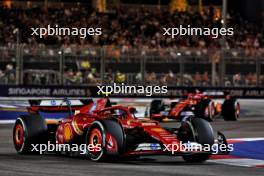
(231, 110)
(205, 109)
(28, 130)
(156, 107)
(200, 131)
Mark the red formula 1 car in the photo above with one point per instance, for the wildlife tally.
(115, 129)
(200, 104)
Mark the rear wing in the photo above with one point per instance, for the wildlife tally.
(62, 108)
(57, 105)
(53, 110)
(59, 102)
(211, 93)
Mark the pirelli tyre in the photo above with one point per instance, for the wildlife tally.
(156, 106)
(29, 130)
(231, 109)
(205, 109)
(200, 131)
(107, 138)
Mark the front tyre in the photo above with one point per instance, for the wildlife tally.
(105, 138)
(94, 137)
(200, 131)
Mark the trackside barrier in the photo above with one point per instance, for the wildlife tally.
(92, 91)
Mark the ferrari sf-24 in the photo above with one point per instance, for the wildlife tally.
(114, 127)
(200, 103)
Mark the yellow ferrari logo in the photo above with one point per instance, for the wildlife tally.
(67, 133)
(157, 129)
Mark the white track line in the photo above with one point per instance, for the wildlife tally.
(245, 162)
(247, 139)
(7, 121)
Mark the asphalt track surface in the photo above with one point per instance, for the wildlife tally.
(250, 125)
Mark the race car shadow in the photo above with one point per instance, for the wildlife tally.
(154, 161)
(60, 159)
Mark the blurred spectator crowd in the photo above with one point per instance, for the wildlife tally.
(125, 27)
(125, 31)
(8, 75)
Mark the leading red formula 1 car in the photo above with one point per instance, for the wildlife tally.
(201, 104)
(115, 129)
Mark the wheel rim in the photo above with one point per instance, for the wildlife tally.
(212, 107)
(206, 112)
(95, 138)
(186, 134)
(209, 111)
(237, 109)
(19, 136)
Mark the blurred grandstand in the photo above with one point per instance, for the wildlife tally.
(132, 48)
